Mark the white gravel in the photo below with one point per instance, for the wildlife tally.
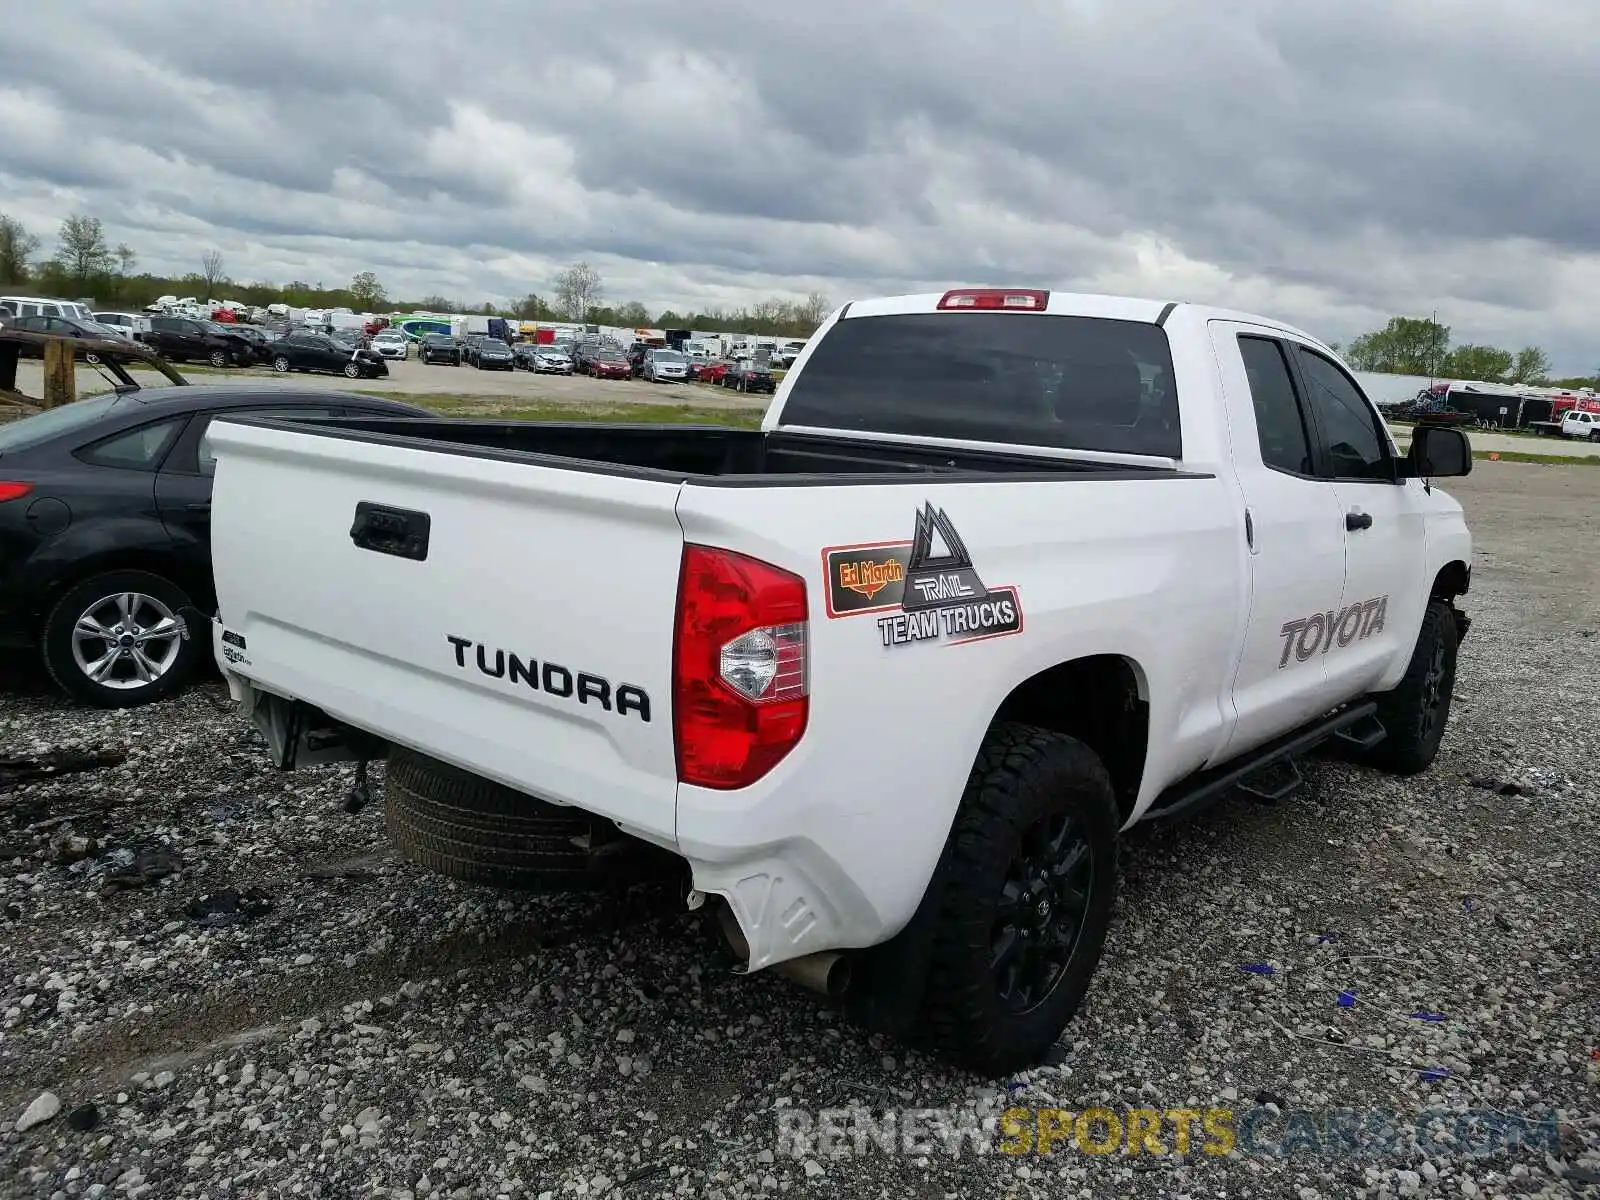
(272, 1005)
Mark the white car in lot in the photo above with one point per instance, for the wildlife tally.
(126, 324)
(666, 366)
(551, 360)
(1002, 574)
(391, 343)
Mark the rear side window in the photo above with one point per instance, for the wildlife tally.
(134, 449)
(1083, 383)
(1352, 447)
(1280, 425)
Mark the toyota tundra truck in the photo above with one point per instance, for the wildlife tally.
(1001, 574)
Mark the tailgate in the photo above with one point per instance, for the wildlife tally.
(529, 642)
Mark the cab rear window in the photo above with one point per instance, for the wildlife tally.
(1082, 383)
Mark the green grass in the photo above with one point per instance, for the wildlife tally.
(513, 409)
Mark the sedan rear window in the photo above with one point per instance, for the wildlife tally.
(1081, 383)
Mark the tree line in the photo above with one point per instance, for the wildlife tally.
(1421, 346)
(84, 264)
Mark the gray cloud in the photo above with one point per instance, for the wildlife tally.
(1329, 165)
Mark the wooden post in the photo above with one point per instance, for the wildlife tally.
(60, 374)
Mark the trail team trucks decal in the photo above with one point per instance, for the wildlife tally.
(1306, 637)
(925, 592)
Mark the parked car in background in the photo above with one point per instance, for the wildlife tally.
(546, 360)
(610, 363)
(67, 327)
(321, 352)
(391, 343)
(259, 340)
(438, 348)
(353, 338)
(105, 531)
(666, 366)
(1580, 424)
(712, 372)
(36, 306)
(491, 354)
(583, 356)
(749, 376)
(127, 324)
(188, 339)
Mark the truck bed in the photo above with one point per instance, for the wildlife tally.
(707, 454)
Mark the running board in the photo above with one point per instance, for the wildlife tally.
(1207, 786)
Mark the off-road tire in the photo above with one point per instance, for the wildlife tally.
(482, 832)
(55, 643)
(1023, 775)
(1414, 714)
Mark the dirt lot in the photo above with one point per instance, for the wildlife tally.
(274, 1005)
(411, 378)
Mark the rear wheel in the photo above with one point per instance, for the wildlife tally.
(352, 370)
(482, 832)
(280, 365)
(1026, 901)
(119, 639)
(218, 358)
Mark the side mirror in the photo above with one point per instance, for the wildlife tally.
(1438, 453)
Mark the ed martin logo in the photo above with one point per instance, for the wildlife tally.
(927, 588)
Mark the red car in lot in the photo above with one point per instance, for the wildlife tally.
(611, 364)
(711, 372)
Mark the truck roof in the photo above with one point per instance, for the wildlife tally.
(1081, 304)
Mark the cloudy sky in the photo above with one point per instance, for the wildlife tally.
(1331, 163)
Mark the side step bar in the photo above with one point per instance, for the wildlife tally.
(1358, 724)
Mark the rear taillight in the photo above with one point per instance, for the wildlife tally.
(1016, 299)
(739, 686)
(14, 491)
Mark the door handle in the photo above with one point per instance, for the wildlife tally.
(402, 532)
(1357, 520)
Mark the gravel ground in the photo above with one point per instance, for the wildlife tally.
(232, 988)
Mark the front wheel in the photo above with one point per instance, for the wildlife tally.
(1026, 900)
(120, 639)
(280, 365)
(218, 358)
(1415, 712)
(1594, 435)
(352, 370)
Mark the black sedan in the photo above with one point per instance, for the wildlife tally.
(439, 348)
(491, 354)
(748, 376)
(105, 531)
(319, 352)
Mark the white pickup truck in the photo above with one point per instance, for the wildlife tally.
(1001, 574)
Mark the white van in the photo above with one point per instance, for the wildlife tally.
(128, 324)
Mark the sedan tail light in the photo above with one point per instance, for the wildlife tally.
(740, 688)
(14, 491)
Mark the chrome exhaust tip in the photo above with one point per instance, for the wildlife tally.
(826, 972)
